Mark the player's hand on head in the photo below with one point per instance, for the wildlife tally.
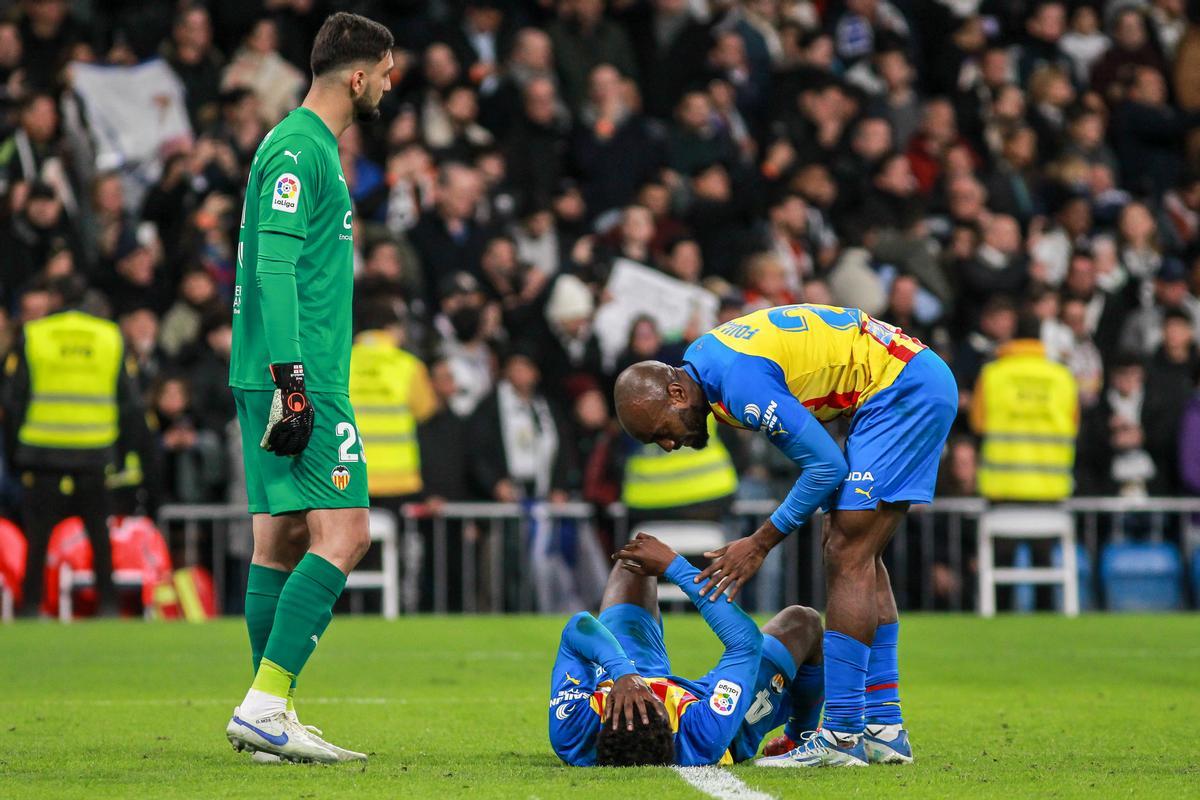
(290, 424)
(631, 698)
(645, 555)
(732, 566)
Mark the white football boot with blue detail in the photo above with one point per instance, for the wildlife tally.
(279, 734)
(822, 748)
(887, 744)
(263, 757)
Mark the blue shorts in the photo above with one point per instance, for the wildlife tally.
(896, 438)
(641, 636)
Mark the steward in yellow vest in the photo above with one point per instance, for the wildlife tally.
(391, 394)
(1026, 409)
(68, 394)
(658, 481)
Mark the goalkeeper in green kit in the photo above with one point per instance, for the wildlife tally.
(305, 470)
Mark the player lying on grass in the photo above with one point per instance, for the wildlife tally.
(615, 702)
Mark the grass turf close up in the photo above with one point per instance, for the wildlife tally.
(451, 706)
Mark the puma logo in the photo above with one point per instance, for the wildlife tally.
(866, 492)
(340, 178)
(294, 156)
(572, 680)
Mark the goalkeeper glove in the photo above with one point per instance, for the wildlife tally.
(291, 422)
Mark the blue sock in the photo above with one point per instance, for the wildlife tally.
(845, 682)
(883, 677)
(807, 692)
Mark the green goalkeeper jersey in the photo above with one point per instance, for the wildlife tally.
(296, 188)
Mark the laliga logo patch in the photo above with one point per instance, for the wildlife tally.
(340, 477)
(725, 697)
(777, 683)
(287, 193)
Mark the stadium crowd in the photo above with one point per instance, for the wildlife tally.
(998, 159)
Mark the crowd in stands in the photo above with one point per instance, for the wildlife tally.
(945, 165)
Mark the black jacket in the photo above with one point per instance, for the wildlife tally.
(489, 464)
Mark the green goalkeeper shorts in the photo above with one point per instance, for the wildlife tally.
(330, 473)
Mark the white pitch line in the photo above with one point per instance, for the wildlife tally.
(716, 782)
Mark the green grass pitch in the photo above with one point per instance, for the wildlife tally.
(454, 707)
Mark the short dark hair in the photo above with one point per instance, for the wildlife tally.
(345, 38)
(71, 289)
(645, 746)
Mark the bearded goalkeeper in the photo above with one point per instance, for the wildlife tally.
(305, 470)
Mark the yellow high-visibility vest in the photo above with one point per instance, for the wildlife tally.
(1029, 423)
(656, 479)
(382, 377)
(74, 362)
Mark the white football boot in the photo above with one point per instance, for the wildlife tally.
(821, 748)
(279, 734)
(263, 757)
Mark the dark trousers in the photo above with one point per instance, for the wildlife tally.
(50, 497)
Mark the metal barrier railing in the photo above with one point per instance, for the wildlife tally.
(486, 557)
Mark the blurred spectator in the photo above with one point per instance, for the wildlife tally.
(537, 145)
(32, 153)
(1131, 48)
(1039, 47)
(258, 66)
(479, 39)
(1132, 467)
(997, 327)
(583, 40)
(465, 323)
(669, 45)
(180, 328)
(999, 268)
(212, 399)
(614, 149)
(766, 283)
(571, 353)
(862, 23)
(48, 32)
(1069, 342)
(1172, 365)
(1148, 133)
(1084, 43)
(696, 141)
(520, 290)
(521, 441)
(442, 438)
(190, 53)
(35, 234)
(599, 438)
(449, 240)
(193, 457)
(1143, 332)
(139, 328)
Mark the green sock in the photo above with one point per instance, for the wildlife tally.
(307, 598)
(262, 596)
(319, 631)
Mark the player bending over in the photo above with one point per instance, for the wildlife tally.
(305, 471)
(783, 371)
(615, 702)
